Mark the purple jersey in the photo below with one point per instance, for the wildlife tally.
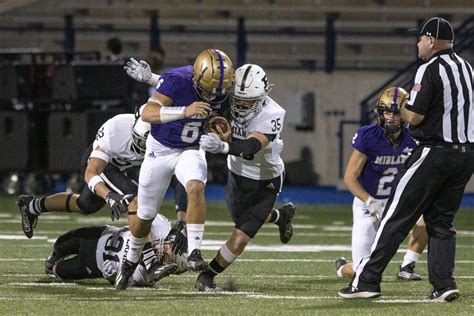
(383, 160)
(177, 84)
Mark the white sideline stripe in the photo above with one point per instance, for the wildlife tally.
(403, 301)
(102, 220)
(192, 276)
(51, 284)
(21, 237)
(292, 297)
(111, 288)
(5, 215)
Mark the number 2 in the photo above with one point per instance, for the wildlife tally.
(385, 182)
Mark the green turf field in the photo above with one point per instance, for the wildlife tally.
(298, 278)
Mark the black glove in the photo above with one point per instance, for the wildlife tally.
(179, 237)
(118, 203)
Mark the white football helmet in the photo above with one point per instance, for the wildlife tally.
(248, 94)
(140, 132)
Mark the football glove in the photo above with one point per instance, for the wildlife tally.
(179, 238)
(212, 143)
(375, 207)
(110, 269)
(141, 71)
(118, 203)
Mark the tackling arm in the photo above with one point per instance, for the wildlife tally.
(95, 167)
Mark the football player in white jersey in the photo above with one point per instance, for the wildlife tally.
(110, 167)
(98, 251)
(255, 166)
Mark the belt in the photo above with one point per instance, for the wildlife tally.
(461, 147)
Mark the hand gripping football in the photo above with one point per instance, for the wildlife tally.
(210, 125)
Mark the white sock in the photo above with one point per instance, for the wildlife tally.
(136, 247)
(195, 235)
(410, 257)
(339, 272)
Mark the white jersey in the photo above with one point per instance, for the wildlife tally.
(114, 243)
(115, 138)
(267, 163)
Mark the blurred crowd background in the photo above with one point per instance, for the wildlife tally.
(61, 72)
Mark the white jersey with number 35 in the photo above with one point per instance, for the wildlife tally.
(115, 138)
(267, 163)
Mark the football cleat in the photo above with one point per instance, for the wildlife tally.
(340, 262)
(285, 222)
(124, 276)
(407, 273)
(352, 292)
(28, 220)
(205, 283)
(160, 270)
(446, 295)
(196, 262)
(49, 264)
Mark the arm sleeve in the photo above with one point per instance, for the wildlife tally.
(245, 148)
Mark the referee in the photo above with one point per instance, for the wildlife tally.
(441, 117)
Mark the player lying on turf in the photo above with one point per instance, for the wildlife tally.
(98, 251)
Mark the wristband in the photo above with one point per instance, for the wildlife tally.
(153, 81)
(93, 182)
(171, 113)
(225, 150)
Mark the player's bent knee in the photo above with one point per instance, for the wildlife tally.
(88, 208)
(250, 228)
(195, 188)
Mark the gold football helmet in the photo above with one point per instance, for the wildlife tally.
(391, 100)
(212, 75)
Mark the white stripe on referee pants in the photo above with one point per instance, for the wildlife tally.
(398, 192)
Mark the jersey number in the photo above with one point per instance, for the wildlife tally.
(276, 125)
(190, 132)
(385, 182)
(112, 246)
(100, 133)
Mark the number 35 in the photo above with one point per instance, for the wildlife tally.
(276, 125)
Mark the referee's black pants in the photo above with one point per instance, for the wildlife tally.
(431, 184)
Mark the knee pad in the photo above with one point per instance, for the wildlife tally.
(88, 206)
(250, 227)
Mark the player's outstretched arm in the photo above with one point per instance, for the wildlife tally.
(141, 71)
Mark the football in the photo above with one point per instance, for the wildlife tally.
(210, 125)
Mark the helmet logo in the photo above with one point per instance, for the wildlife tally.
(244, 78)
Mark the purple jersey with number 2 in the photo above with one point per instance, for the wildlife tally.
(177, 84)
(383, 160)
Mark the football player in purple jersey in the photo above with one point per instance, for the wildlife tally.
(184, 97)
(379, 151)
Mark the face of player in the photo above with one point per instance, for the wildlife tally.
(392, 120)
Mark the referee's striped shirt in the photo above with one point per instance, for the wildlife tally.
(442, 92)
